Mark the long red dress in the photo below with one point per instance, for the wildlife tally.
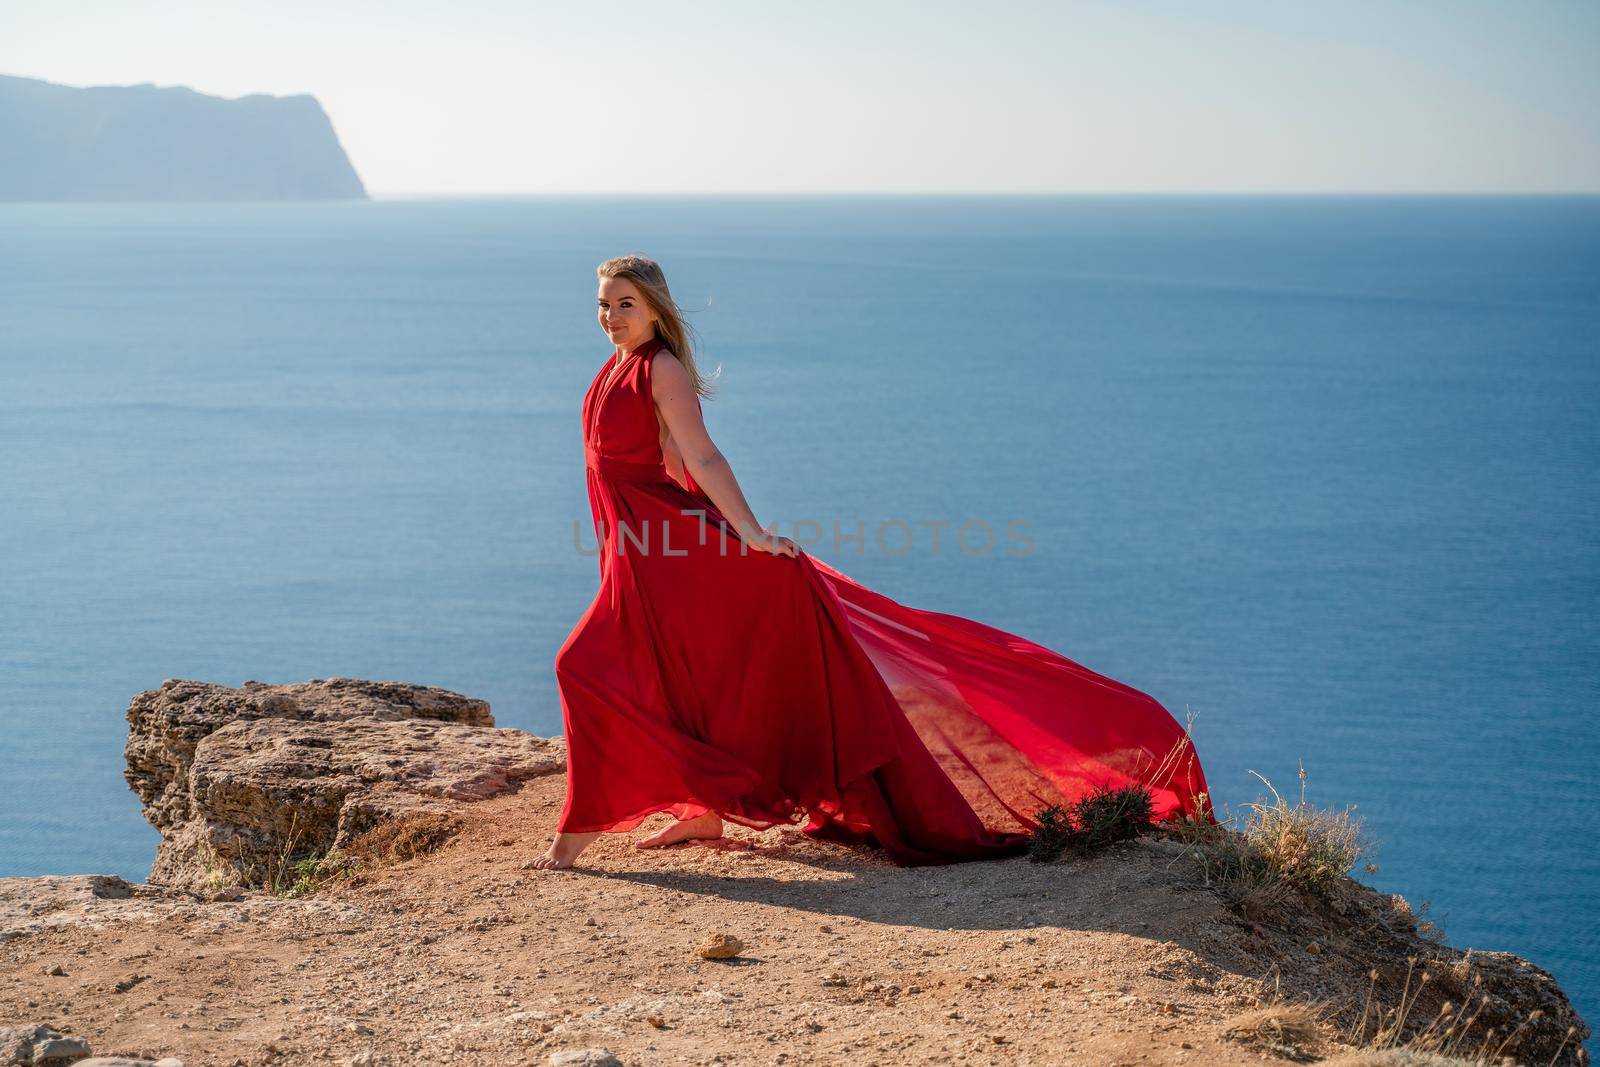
(707, 675)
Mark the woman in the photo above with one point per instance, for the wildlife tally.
(722, 673)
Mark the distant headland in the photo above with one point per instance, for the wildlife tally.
(148, 142)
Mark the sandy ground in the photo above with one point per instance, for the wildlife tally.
(460, 957)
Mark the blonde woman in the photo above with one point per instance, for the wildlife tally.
(721, 673)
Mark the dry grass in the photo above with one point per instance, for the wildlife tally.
(402, 839)
(1308, 847)
(1289, 1031)
(1283, 853)
(1396, 1057)
(1279, 850)
(395, 841)
(1393, 1037)
(1452, 1036)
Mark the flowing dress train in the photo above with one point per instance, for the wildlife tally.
(709, 676)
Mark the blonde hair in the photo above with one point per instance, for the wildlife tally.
(671, 327)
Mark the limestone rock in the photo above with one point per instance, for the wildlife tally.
(95, 901)
(237, 780)
(40, 1045)
(29, 905)
(585, 1057)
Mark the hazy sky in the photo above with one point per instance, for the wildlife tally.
(485, 96)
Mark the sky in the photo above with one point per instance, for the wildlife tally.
(506, 97)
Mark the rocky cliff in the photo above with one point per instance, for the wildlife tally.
(242, 781)
(144, 142)
(342, 880)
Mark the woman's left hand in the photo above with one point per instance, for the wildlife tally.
(776, 544)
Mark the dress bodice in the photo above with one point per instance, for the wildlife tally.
(619, 415)
(621, 435)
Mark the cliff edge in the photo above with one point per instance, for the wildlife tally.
(342, 881)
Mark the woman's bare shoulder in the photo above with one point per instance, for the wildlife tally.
(667, 369)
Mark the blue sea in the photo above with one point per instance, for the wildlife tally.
(1320, 470)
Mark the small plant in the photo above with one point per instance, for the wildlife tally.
(1052, 835)
(1428, 927)
(1289, 1031)
(313, 872)
(1309, 847)
(218, 873)
(1103, 816)
(1280, 850)
(305, 877)
(292, 876)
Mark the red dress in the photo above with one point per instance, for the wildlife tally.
(707, 675)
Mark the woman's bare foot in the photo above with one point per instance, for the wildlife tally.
(707, 826)
(562, 851)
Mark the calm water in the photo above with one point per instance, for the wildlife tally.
(1322, 471)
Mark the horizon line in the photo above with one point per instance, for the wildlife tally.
(992, 193)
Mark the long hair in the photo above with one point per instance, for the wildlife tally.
(673, 329)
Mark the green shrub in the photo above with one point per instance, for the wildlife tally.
(1103, 816)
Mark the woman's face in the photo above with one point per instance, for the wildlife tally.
(624, 315)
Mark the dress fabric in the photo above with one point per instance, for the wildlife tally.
(710, 676)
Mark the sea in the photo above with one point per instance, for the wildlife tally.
(1319, 473)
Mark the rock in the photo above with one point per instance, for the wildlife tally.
(235, 778)
(56, 902)
(40, 1045)
(1521, 1000)
(29, 905)
(719, 947)
(584, 1057)
(1516, 995)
